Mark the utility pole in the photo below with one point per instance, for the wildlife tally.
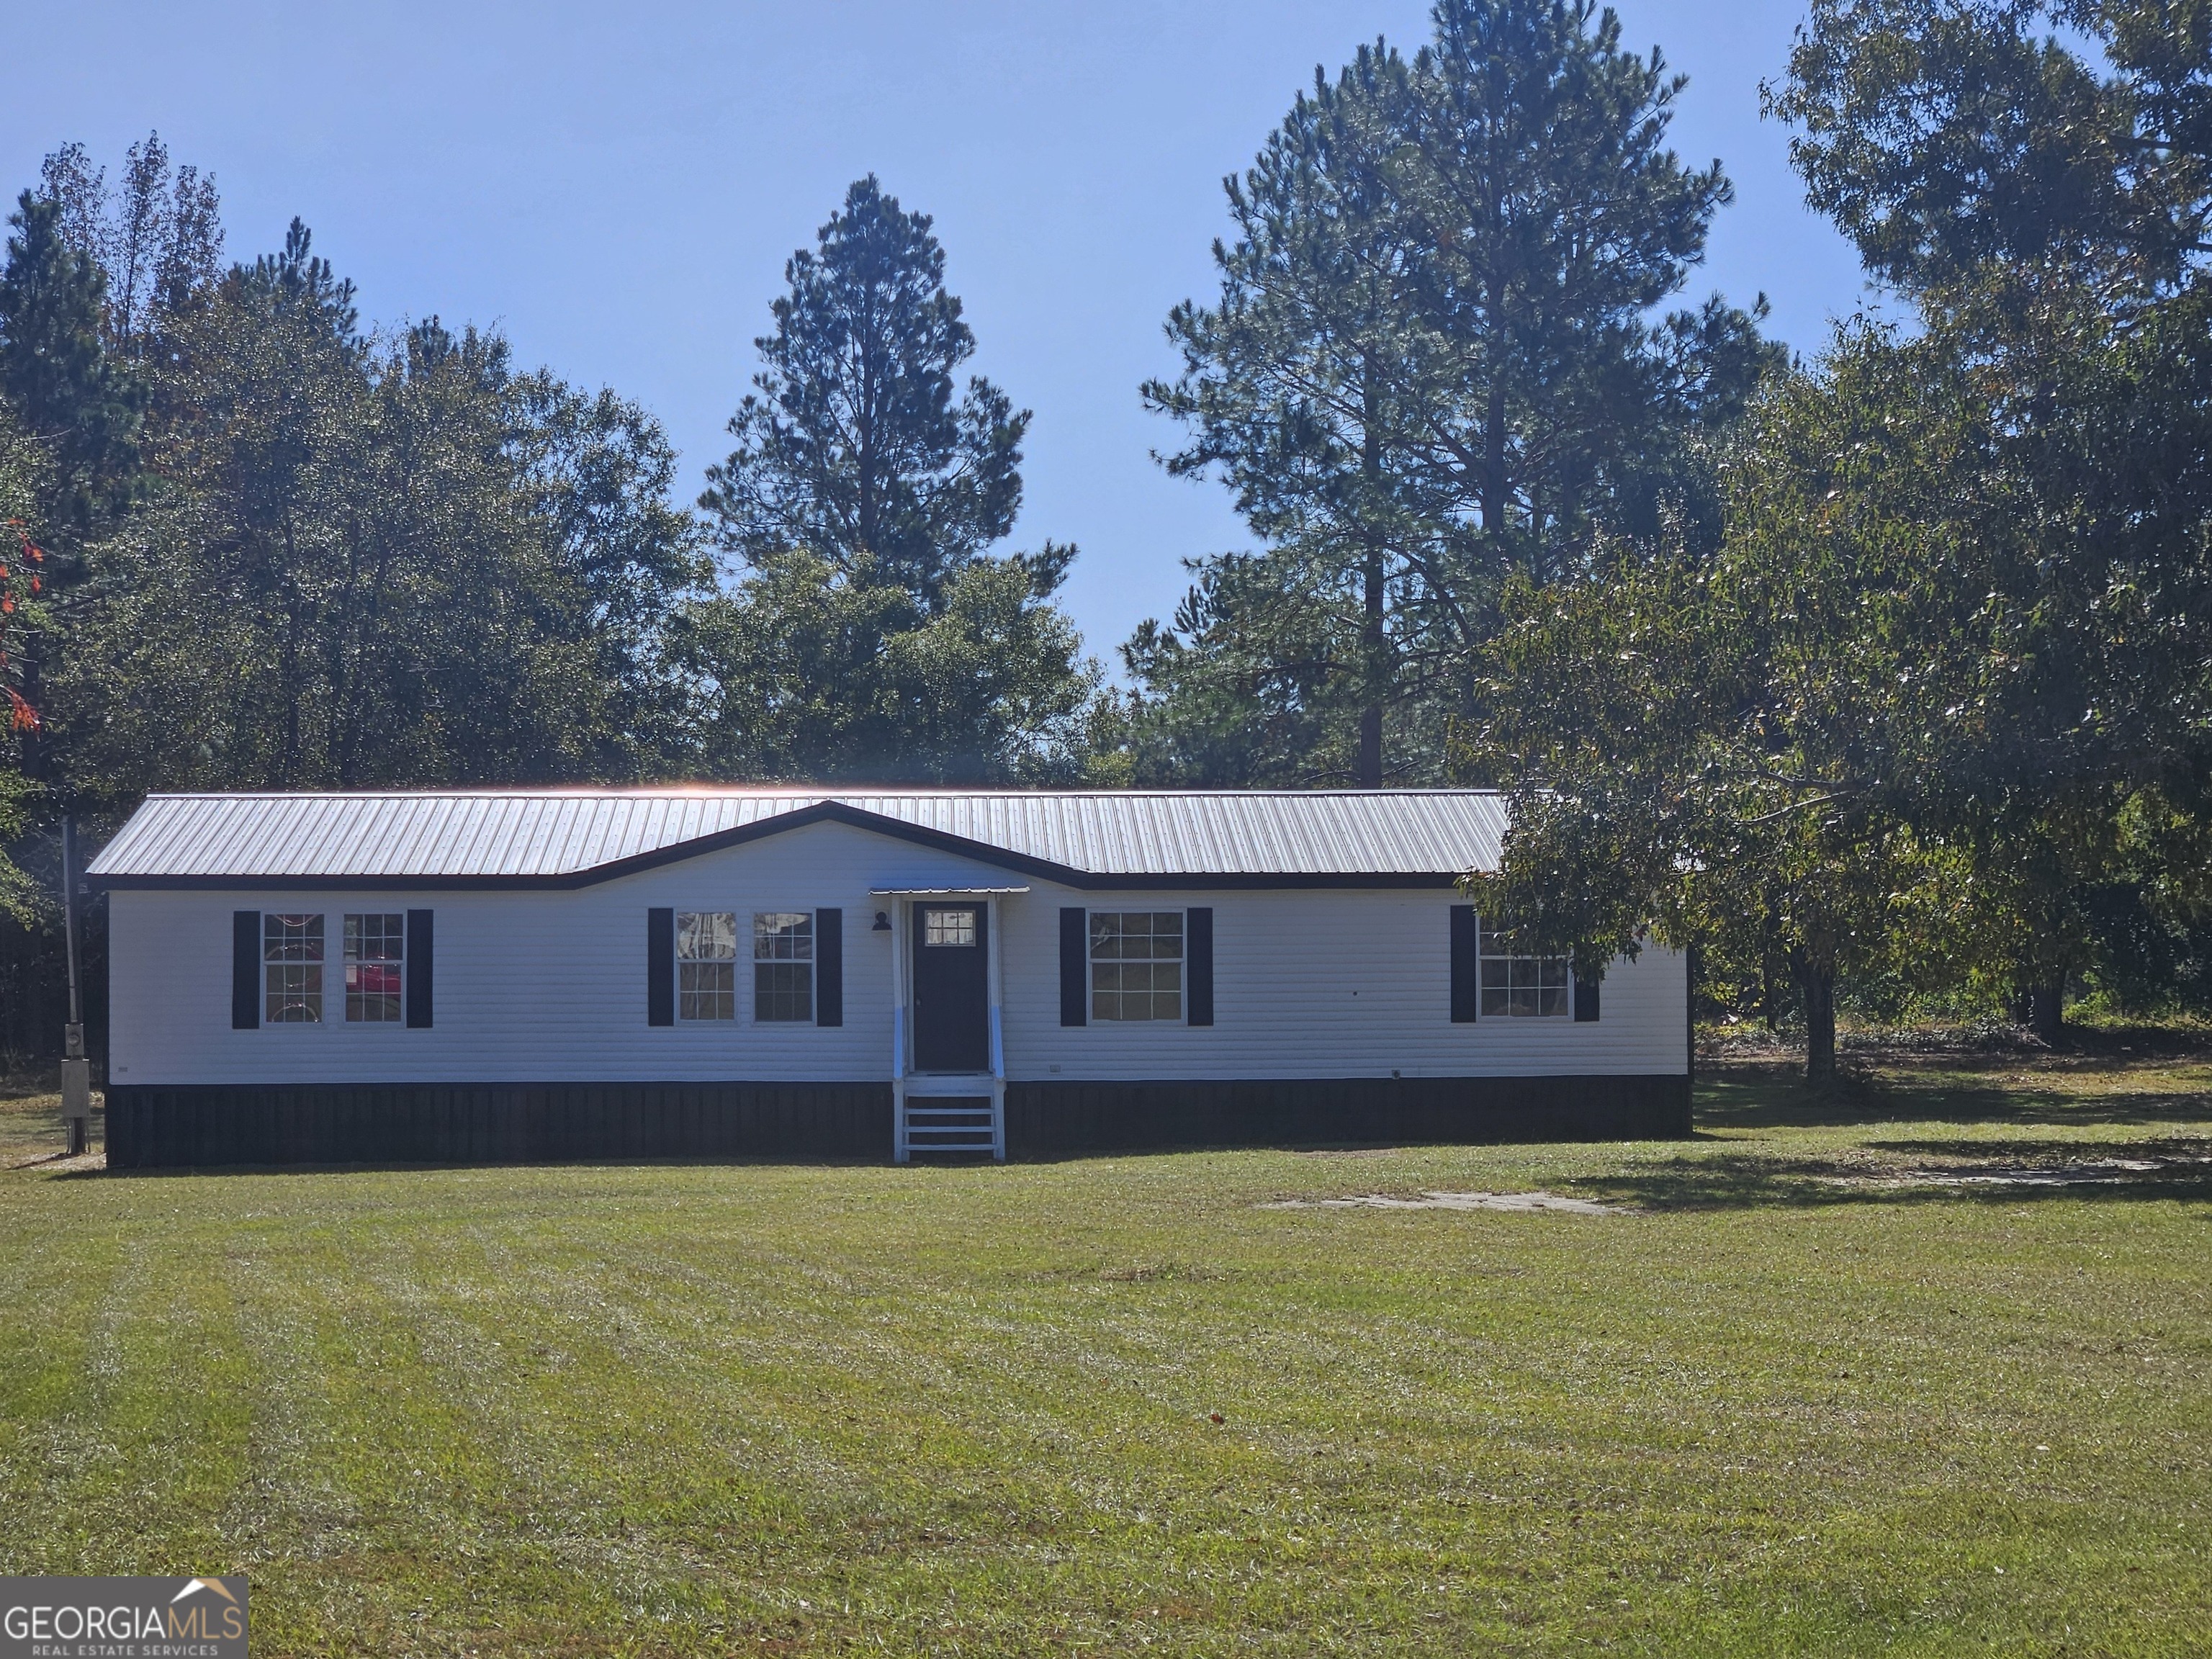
(76, 1070)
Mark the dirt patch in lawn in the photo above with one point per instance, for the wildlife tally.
(1516, 1203)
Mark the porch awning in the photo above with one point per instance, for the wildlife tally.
(946, 892)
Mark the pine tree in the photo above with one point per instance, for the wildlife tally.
(1431, 366)
(56, 372)
(854, 447)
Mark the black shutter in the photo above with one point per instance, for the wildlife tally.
(1074, 968)
(420, 966)
(1198, 962)
(828, 967)
(1585, 998)
(660, 967)
(244, 970)
(1466, 968)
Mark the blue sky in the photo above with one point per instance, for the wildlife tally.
(618, 185)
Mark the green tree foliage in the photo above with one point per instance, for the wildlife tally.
(24, 487)
(871, 635)
(1956, 139)
(55, 371)
(1738, 746)
(158, 234)
(854, 447)
(1983, 546)
(815, 669)
(1433, 367)
(300, 553)
(2038, 176)
(373, 564)
(81, 409)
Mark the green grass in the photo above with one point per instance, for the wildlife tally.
(1788, 1406)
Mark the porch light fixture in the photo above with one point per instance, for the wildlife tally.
(883, 923)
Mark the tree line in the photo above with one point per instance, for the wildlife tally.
(1876, 674)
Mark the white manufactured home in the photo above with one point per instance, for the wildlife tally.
(536, 973)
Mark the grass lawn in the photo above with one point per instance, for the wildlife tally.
(1824, 1386)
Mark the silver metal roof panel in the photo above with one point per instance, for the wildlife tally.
(567, 837)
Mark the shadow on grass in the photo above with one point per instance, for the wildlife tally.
(1727, 1182)
(2023, 1153)
(1779, 1102)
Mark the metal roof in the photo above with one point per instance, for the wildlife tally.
(573, 837)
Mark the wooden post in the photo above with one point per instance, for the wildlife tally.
(993, 914)
(76, 1070)
(900, 1152)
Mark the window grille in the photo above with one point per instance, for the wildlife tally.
(292, 968)
(706, 964)
(783, 966)
(1136, 964)
(1518, 984)
(376, 952)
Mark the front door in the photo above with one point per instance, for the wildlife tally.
(951, 988)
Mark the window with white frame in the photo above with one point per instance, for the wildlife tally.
(1518, 984)
(292, 965)
(1136, 964)
(783, 966)
(706, 964)
(953, 927)
(375, 951)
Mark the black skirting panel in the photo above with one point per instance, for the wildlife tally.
(156, 1126)
(161, 1126)
(1049, 1118)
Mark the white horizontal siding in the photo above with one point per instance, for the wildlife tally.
(1326, 982)
(551, 985)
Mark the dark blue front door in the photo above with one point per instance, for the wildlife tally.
(951, 988)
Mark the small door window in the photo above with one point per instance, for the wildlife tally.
(956, 927)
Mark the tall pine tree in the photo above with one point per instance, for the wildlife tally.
(54, 367)
(855, 445)
(1432, 364)
(872, 635)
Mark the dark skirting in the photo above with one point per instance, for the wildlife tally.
(151, 1125)
(161, 1127)
(1043, 1119)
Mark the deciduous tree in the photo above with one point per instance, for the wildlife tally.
(816, 670)
(375, 563)
(2036, 175)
